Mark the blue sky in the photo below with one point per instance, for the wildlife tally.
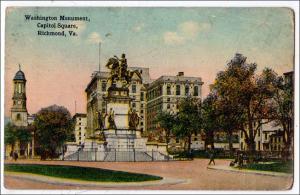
(198, 41)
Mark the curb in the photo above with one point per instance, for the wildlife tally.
(266, 173)
(79, 183)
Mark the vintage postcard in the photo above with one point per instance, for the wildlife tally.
(114, 97)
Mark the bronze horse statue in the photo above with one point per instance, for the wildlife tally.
(117, 72)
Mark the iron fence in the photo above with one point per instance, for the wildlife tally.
(114, 155)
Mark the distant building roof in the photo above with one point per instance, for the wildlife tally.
(179, 78)
(79, 115)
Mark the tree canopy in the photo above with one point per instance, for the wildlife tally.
(188, 120)
(245, 97)
(53, 126)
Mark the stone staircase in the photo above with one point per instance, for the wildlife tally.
(121, 156)
(127, 156)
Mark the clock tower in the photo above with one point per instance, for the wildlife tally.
(19, 112)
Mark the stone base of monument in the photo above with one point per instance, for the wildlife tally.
(120, 145)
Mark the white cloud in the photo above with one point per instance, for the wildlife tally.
(189, 29)
(138, 27)
(173, 38)
(185, 31)
(94, 37)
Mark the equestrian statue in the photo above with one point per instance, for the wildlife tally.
(119, 72)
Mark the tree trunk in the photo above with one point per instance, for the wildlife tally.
(286, 149)
(189, 143)
(229, 134)
(251, 143)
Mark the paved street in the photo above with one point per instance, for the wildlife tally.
(195, 175)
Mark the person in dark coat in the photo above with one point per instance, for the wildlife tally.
(15, 156)
(211, 157)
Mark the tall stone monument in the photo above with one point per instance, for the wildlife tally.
(115, 135)
(118, 127)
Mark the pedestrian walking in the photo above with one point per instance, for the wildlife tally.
(212, 157)
(15, 156)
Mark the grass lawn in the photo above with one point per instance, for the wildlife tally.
(80, 173)
(284, 167)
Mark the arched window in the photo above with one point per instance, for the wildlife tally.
(168, 90)
(187, 90)
(18, 116)
(196, 93)
(19, 87)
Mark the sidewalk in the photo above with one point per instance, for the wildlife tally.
(231, 169)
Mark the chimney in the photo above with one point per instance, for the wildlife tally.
(180, 74)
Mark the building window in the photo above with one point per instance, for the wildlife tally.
(79, 128)
(168, 99)
(18, 116)
(266, 136)
(133, 88)
(80, 119)
(142, 105)
(103, 86)
(168, 90)
(133, 105)
(79, 123)
(168, 106)
(177, 89)
(187, 90)
(195, 139)
(142, 96)
(177, 140)
(142, 123)
(19, 88)
(196, 93)
(142, 111)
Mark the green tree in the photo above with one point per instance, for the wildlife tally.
(166, 121)
(53, 126)
(14, 134)
(10, 137)
(188, 120)
(248, 94)
(210, 118)
(23, 134)
(283, 102)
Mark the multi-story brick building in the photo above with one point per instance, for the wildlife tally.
(79, 127)
(165, 93)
